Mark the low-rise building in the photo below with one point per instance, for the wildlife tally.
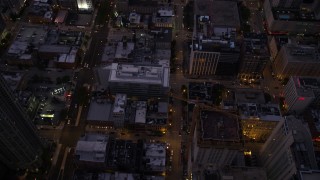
(100, 112)
(139, 81)
(155, 157)
(91, 151)
(40, 12)
(118, 112)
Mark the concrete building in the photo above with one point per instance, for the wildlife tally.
(124, 154)
(20, 51)
(40, 12)
(91, 151)
(255, 55)
(85, 5)
(68, 4)
(235, 173)
(100, 113)
(21, 147)
(139, 81)
(258, 118)
(214, 50)
(300, 92)
(215, 143)
(288, 150)
(163, 17)
(296, 60)
(289, 18)
(118, 112)
(155, 157)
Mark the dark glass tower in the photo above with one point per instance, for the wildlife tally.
(20, 145)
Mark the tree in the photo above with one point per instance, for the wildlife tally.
(217, 93)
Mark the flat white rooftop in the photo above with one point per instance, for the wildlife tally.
(141, 112)
(119, 103)
(139, 74)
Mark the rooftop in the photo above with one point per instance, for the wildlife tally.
(295, 53)
(214, 39)
(306, 85)
(200, 91)
(222, 13)
(99, 110)
(155, 156)
(293, 15)
(122, 154)
(120, 103)
(139, 74)
(40, 8)
(256, 44)
(243, 173)
(249, 96)
(310, 175)
(141, 111)
(92, 148)
(265, 112)
(219, 126)
(124, 49)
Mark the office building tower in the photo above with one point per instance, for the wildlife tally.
(291, 16)
(288, 151)
(297, 60)
(214, 49)
(20, 146)
(255, 55)
(300, 92)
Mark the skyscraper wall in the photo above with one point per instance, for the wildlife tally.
(20, 146)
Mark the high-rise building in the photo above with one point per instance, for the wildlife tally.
(288, 151)
(297, 60)
(215, 143)
(300, 92)
(255, 55)
(215, 50)
(292, 16)
(20, 146)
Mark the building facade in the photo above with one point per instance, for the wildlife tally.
(300, 92)
(255, 55)
(295, 60)
(288, 150)
(21, 146)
